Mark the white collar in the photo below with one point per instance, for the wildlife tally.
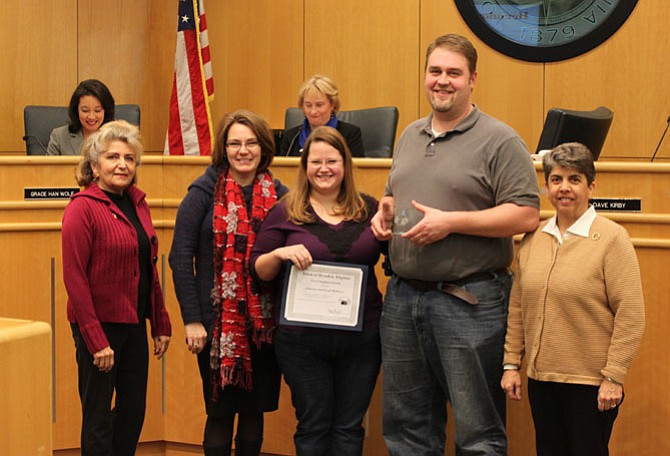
(580, 228)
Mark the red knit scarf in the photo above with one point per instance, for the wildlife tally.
(241, 312)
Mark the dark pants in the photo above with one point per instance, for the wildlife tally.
(567, 419)
(106, 430)
(331, 375)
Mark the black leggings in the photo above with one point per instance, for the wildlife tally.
(219, 430)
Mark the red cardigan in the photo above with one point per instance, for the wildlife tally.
(101, 265)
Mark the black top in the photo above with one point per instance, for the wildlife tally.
(144, 251)
(352, 135)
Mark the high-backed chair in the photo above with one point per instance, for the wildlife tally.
(378, 127)
(587, 127)
(128, 112)
(38, 121)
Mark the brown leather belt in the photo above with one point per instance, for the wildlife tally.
(455, 287)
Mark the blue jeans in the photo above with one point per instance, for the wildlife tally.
(331, 375)
(436, 349)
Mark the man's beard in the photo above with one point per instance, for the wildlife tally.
(441, 106)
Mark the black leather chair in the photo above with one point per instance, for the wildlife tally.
(128, 112)
(38, 121)
(566, 125)
(378, 127)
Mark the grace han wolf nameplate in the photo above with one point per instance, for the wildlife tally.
(325, 295)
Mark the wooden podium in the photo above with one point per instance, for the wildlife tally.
(25, 388)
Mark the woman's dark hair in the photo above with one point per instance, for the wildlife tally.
(572, 156)
(96, 89)
(257, 125)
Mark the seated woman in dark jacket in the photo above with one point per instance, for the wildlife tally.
(319, 100)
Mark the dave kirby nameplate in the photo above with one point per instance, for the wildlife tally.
(325, 295)
(617, 204)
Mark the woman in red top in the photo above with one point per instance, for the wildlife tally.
(110, 251)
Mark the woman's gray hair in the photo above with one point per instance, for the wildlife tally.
(98, 143)
(570, 155)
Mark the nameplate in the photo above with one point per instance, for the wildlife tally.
(617, 204)
(49, 193)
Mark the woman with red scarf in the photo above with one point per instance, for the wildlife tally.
(229, 327)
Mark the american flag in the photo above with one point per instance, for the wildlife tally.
(190, 123)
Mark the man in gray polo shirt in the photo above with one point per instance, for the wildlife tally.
(462, 184)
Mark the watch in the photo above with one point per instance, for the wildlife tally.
(544, 30)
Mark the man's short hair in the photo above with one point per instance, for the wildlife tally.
(455, 43)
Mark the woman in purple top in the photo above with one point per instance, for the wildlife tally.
(331, 372)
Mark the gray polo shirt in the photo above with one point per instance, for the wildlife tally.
(480, 164)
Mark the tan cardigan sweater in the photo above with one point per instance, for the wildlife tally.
(576, 309)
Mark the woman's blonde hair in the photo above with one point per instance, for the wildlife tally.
(350, 203)
(322, 84)
(98, 143)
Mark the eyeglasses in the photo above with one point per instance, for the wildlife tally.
(328, 163)
(252, 144)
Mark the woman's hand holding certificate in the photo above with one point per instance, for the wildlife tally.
(325, 295)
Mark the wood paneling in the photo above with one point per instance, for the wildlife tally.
(369, 49)
(628, 74)
(129, 45)
(39, 58)
(262, 50)
(257, 56)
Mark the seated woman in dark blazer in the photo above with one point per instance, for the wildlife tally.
(91, 106)
(319, 100)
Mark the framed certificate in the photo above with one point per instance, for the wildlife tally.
(325, 295)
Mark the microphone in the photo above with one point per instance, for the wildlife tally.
(658, 146)
(42, 146)
(295, 138)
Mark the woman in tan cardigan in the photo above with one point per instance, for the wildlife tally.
(576, 312)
